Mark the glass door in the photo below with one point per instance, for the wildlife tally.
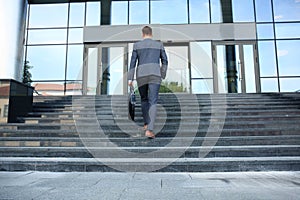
(236, 67)
(178, 74)
(105, 69)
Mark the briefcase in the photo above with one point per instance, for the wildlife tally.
(131, 104)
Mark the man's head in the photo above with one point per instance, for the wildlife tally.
(147, 32)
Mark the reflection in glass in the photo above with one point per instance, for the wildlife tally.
(201, 60)
(199, 11)
(289, 84)
(269, 84)
(75, 62)
(48, 15)
(76, 14)
(48, 62)
(263, 10)
(47, 36)
(249, 68)
(178, 77)
(288, 57)
(75, 35)
(93, 13)
(267, 58)
(49, 88)
(287, 10)
(265, 31)
(138, 12)
(169, 12)
(92, 71)
(119, 12)
(116, 68)
(243, 11)
(204, 86)
(287, 30)
(216, 11)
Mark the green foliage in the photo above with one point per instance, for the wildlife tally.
(171, 87)
(27, 75)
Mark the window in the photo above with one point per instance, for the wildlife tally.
(199, 11)
(201, 60)
(265, 31)
(169, 12)
(75, 35)
(269, 84)
(119, 12)
(289, 84)
(287, 30)
(286, 10)
(267, 58)
(288, 57)
(48, 62)
(243, 11)
(93, 13)
(47, 36)
(263, 10)
(77, 14)
(75, 62)
(138, 12)
(49, 15)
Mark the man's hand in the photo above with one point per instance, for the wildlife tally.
(130, 84)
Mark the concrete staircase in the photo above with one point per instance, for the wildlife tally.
(195, 133)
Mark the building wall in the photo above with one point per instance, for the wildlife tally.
(12, 23)
(55, 33)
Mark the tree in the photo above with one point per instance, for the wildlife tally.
(26, 74)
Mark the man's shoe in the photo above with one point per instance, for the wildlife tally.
(149, 134)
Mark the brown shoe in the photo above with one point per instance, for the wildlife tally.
(149, 134)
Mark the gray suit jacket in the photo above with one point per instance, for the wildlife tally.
(148, 53)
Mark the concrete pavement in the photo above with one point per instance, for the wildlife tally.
(142, 186)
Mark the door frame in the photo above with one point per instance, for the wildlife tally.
(183, 44)
(242, 66)
(100, 65)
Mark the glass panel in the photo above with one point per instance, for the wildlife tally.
(221, 69)
(199, 11)
(269, 85)
(288, 57)
(74, 88)
(48, 15)
(119, 12)
(75, 35)
(138, 12)
(116, 69)
(77, 14)
(49, 88)
(178, 78)
(48, 62)
(47, 36)
(249, 69)
(287, 30)
(92, 71)
(93, 13)
(287, 10)
(243, 11)
(202, 86)
(263, 10)
(267, 58)
(75, 62)
(201, 60)
(216, 11)
(289, 84)
(265, 31)
(169, 12)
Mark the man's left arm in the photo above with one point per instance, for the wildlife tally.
(132, 66)
(164, 61)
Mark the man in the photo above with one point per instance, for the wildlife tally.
(148, 53)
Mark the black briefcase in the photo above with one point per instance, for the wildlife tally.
(131, 104)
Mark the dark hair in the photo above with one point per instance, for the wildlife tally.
(147, 30)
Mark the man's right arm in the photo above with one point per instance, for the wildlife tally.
(132, 66)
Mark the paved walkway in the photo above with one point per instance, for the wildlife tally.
(142, 186)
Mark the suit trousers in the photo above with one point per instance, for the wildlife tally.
(149, 89)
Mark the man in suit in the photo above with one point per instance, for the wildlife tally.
(147, 54)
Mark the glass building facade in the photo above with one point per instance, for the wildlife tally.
(55, 45)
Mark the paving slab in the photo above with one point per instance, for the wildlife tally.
(148, 186)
